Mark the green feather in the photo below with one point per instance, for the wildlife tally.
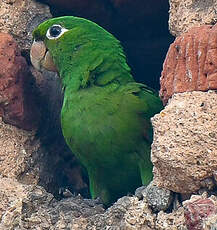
(105, 115)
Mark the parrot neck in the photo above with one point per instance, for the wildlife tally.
(99, 72)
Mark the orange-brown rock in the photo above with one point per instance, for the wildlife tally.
(17, 105)
(191, 63)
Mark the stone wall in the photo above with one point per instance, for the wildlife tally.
(35, 163)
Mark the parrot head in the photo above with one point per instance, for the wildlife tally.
(58, 39)
(82, 52)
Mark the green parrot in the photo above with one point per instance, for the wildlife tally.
(105, 115)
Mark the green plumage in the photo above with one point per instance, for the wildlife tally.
(105, 115)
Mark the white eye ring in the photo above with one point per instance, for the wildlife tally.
(55, 31)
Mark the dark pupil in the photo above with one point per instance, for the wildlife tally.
(55, 31)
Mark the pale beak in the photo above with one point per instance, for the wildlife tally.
(40, 57)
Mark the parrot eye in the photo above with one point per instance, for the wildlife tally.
(55, 31)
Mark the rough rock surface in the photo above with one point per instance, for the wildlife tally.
(31, 207)
(20, 17)
(189, 13)
(11, 195)
(190, 63)
(173, 221)
(210, 223)
(17, 102)
(184, 150)
(19, 154)
(159, 199)
(197, 210)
